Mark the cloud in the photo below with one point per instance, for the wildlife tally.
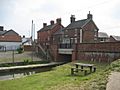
(116, 11)
(18, 14)
(6, 9)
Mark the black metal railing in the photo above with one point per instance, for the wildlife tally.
(65, 46)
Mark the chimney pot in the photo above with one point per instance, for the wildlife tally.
(58, 20)
(72, 18)
(89, 16)
(52, 22)
(44, 24)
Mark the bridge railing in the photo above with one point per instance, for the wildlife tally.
(65, 46)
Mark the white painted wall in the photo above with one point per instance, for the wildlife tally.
(26, 41)
(65, 51)
(11, 45)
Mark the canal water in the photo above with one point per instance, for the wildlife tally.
(21, 73)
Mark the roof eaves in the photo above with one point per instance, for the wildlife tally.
(76, 24)
(87, 21)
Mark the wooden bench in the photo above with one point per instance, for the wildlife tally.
(78, 69)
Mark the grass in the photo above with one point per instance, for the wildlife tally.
(60, 79)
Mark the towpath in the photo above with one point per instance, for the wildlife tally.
(30, 66)
(114, 81)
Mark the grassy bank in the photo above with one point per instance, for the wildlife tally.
(60, 79)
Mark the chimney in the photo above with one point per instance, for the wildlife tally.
(1, 28)
(89, 16)
(44, 24)
(23, 36)
(52, 22)
(58, 20)
(72, 18)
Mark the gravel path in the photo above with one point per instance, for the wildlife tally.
(114, 81)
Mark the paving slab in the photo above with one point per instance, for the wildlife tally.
(114, 81)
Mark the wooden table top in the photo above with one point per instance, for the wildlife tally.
(83, 64)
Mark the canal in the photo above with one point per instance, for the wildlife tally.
(7, 73)
(13, 74)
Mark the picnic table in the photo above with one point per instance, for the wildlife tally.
(83, 67)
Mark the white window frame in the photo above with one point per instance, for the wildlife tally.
(81, 35)
(75, 40)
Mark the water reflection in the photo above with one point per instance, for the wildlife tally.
(21, 73)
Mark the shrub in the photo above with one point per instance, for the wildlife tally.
(20, 50)
(27, 61)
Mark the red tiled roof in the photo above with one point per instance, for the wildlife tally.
(10, 38)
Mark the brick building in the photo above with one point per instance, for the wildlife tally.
(45, 34)
(9, 40)
(80, 31)
(103, 37)
(80, 40)
(114, 38)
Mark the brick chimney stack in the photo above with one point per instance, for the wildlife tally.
(58, 20)
(51, 22)
(44, 24)
(89, 16)
(72, 18)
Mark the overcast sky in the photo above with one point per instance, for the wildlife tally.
(18, 14)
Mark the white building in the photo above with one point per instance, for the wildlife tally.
(9, 40)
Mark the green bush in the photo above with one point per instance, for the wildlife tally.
(20, 50)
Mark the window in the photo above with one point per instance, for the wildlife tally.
(60, 39)
(66, 30)
(53, 38)
(95, 38)
(75, 32)
(80, 35)
(75, 35)
(95, 32)
(66, 35)
(71, 40)
(48, 38)
(75, 40)
(102, 39)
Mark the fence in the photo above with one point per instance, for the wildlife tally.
(13, 57)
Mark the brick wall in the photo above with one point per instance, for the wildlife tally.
(54, 51)
(100, 47)
(88, 32)
(10, 38)
(28, 48)
(100, 52)
(106, 52)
